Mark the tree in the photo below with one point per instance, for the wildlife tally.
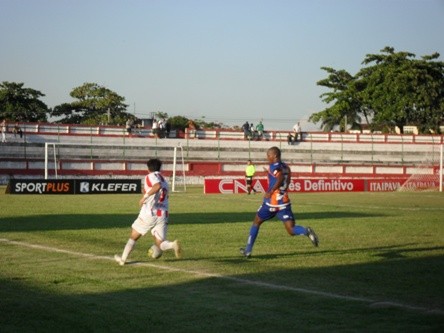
(161, 115)
(94, 105)
(402, 90)
(428, 110)
(178, 122)
(202, 123)
(347, 108)
(394, 89)
(21, 104)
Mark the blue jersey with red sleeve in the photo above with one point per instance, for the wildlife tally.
(279, 197)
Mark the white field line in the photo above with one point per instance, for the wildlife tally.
(295, 204)
(370, 302)
(372, 207)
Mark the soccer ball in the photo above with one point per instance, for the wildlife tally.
(154, 252)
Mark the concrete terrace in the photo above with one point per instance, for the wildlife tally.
(212, 153)
(137, 148)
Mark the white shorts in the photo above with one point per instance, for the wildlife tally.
(156, 222)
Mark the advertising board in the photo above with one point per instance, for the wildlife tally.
(233, 185)
(73, 186)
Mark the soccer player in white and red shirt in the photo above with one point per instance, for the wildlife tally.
(153, 216)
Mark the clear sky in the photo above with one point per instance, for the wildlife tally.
(225, 60)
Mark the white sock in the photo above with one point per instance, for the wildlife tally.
(128, 248)
(166, 245)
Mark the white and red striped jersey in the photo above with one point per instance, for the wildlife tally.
(158, 201)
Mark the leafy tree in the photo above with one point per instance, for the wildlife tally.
(94, 105)
(394, 89)
(178, 122)
(161, 115)
(428, 110)
(347, 108)
(402, 90)
(202, 123)
(21, 104)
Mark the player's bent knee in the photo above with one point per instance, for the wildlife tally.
(289, 229)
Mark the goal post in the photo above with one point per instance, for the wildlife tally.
(174, 177)
(53, 144)
(87, 153)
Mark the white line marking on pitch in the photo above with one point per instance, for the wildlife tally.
(373, 207)
(372, 303)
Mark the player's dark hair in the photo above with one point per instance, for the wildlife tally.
(154, 164)
(276, 151)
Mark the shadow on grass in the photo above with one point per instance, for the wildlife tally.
(353, 298)
(103, 221)
(388, 253)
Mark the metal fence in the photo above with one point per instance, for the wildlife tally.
(309, 151)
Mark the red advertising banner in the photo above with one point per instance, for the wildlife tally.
(233, 186)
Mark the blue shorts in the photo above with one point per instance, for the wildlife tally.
(266, 212)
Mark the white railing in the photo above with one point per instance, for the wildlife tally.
(226, 134)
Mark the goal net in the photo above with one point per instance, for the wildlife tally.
(427, 175)
(102, 160)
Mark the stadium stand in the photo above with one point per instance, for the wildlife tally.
(108, 151)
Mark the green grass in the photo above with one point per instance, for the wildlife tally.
(379, 266)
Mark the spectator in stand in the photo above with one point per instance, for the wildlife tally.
(253, 132)
(297, 132)
(191, 129)
(155, 128)
(4, 129)
(260, 130)
(17, 130)
(129, 126)
(167, 129)
(246, 129)
(161, 125)
(290, 138)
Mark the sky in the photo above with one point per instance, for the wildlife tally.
(228, 61)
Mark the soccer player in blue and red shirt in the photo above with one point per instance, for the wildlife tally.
(277, 203)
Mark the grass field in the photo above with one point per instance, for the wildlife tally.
(379, 266)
